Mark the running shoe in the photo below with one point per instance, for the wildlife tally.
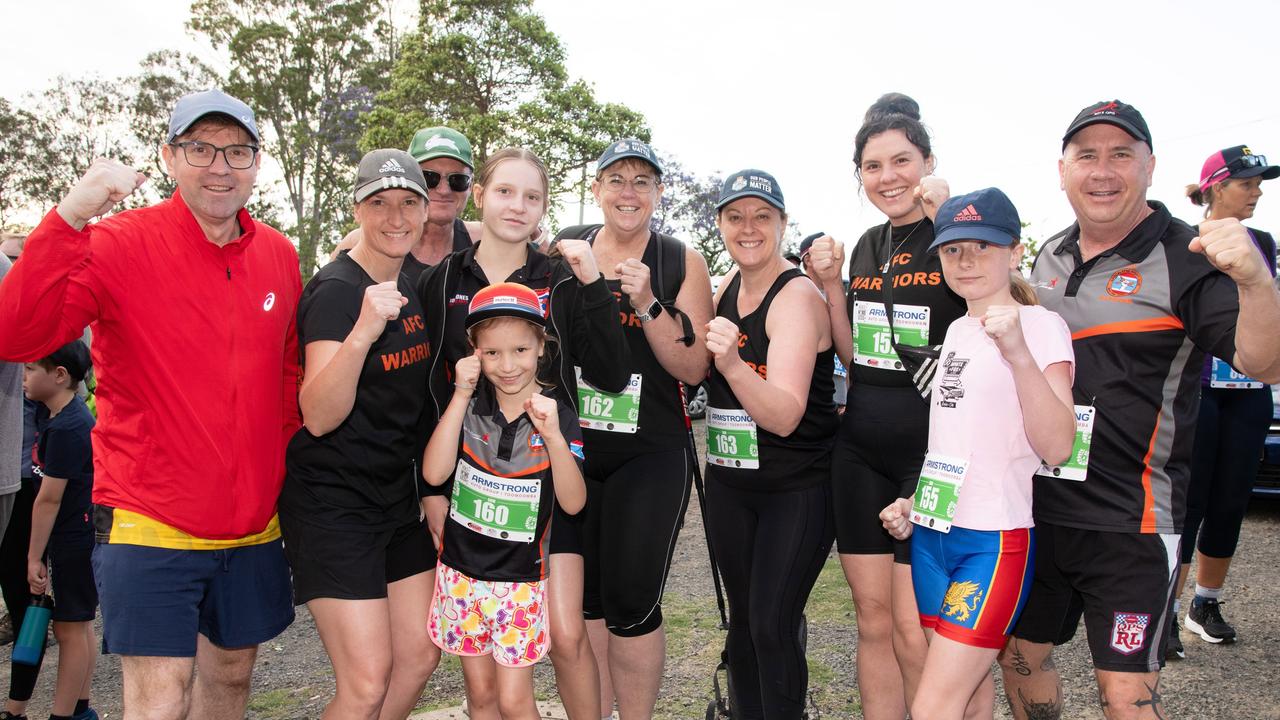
(1205, 619)
(1174, 650)
(88, 714)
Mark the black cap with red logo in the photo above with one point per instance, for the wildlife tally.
(1112, 112)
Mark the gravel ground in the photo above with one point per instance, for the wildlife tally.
(293, 678)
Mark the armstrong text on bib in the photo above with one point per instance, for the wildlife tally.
(502, 508)
(872, 344)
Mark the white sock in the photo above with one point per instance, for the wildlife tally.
(1208, 593)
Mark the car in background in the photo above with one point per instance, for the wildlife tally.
(1267, 484)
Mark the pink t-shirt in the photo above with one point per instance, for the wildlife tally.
(975, 415)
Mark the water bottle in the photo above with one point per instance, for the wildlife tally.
(29, 646)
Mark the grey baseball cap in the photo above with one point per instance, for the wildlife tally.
(627, 148)
(386, 169)
(193, 106)
(755, 183)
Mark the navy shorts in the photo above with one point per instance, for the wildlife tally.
(71, 576)
(155, 600)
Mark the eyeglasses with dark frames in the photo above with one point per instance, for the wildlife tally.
(202, 154)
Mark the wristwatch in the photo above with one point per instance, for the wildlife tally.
(651, 312)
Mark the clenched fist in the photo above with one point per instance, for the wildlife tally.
(382, 303)
(1228, 247)
(542, 411)
(105, 184)
(634, 276)
(1003, 324)
(826, 258)
(581, 260)
(896, 518)
(932, 192)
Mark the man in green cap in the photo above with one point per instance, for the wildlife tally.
(444, 155)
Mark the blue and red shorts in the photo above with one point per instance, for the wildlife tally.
(971, 584)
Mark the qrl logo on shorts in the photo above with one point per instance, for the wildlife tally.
(1129, 632)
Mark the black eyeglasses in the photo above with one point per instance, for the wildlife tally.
(202, 154)
(458, 182)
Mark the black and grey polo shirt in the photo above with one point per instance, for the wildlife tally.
(1142, 316)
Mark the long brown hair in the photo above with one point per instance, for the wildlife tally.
(1021, 290)
(486, 170)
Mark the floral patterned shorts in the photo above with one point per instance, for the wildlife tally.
(477, 617)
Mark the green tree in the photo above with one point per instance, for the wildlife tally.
(308, 68)
(18, 156)
(688, 211)
(493, 70)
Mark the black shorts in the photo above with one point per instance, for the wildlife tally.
(879, 449)
(635, 509)
(566, 531)
(349, 564)
(1122, 583)
(75, 596)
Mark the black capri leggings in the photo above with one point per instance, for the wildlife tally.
(1228, 449)
(771, 547)
(635, 508)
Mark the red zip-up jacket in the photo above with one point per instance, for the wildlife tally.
(196, 354)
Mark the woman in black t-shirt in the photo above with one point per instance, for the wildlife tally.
(884, 432)
(362, 560)
(770, 420)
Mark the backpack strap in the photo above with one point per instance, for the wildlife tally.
(668, 278)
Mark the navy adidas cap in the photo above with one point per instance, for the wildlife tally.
(986, 215)
(193, 106)
(751, 183)
(627, 148)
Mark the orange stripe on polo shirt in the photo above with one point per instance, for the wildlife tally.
(485, 466)
(1149, 500)
(1130, 326)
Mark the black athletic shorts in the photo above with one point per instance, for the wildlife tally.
(351, 564)
(879, 449)
(71, 578)
(1123, 584)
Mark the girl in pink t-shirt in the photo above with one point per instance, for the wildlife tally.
(1001, 404)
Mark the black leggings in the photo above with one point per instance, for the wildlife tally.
(635, 508)
(1230, 433)
(771, 547)
(13, 583)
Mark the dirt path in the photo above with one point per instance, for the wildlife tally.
(293, 679)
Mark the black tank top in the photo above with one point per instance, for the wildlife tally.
(916, 275)
(662, 423)
(801, 459)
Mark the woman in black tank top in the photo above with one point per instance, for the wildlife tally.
(770, 424)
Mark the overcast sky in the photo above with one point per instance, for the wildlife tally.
(783, 85)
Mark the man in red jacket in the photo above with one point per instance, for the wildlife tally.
(193, 308)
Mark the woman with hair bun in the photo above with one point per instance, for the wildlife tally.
(883, 435)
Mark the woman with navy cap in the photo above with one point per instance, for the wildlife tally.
(1235, 412)
(770, 423)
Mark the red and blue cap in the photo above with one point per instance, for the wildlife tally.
(505, 300)
(987, 215)
(1237, 162)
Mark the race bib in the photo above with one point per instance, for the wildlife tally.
(731, 439)
(1222, 375)
(498, 507)
(600, 410)
(938, 491)
(872, 345)
(1076, 466)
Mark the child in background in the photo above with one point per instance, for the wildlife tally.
(511, 449)
(58, 556)
(1001, 402)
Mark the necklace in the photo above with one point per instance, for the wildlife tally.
(888, 259)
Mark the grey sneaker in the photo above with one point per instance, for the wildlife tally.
(1205, 619)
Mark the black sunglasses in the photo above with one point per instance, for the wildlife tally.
(458, 182)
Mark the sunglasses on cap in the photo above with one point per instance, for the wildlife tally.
(458, 182)
(1243, 162)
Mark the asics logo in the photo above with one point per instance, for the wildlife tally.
(270, 302)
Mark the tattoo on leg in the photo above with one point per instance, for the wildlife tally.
(1048, 663)
(1102, 699)
(1153, 700)
(1020, 664)
(1051, 710)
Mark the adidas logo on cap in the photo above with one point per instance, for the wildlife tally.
(969, 214)
(391, 166)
